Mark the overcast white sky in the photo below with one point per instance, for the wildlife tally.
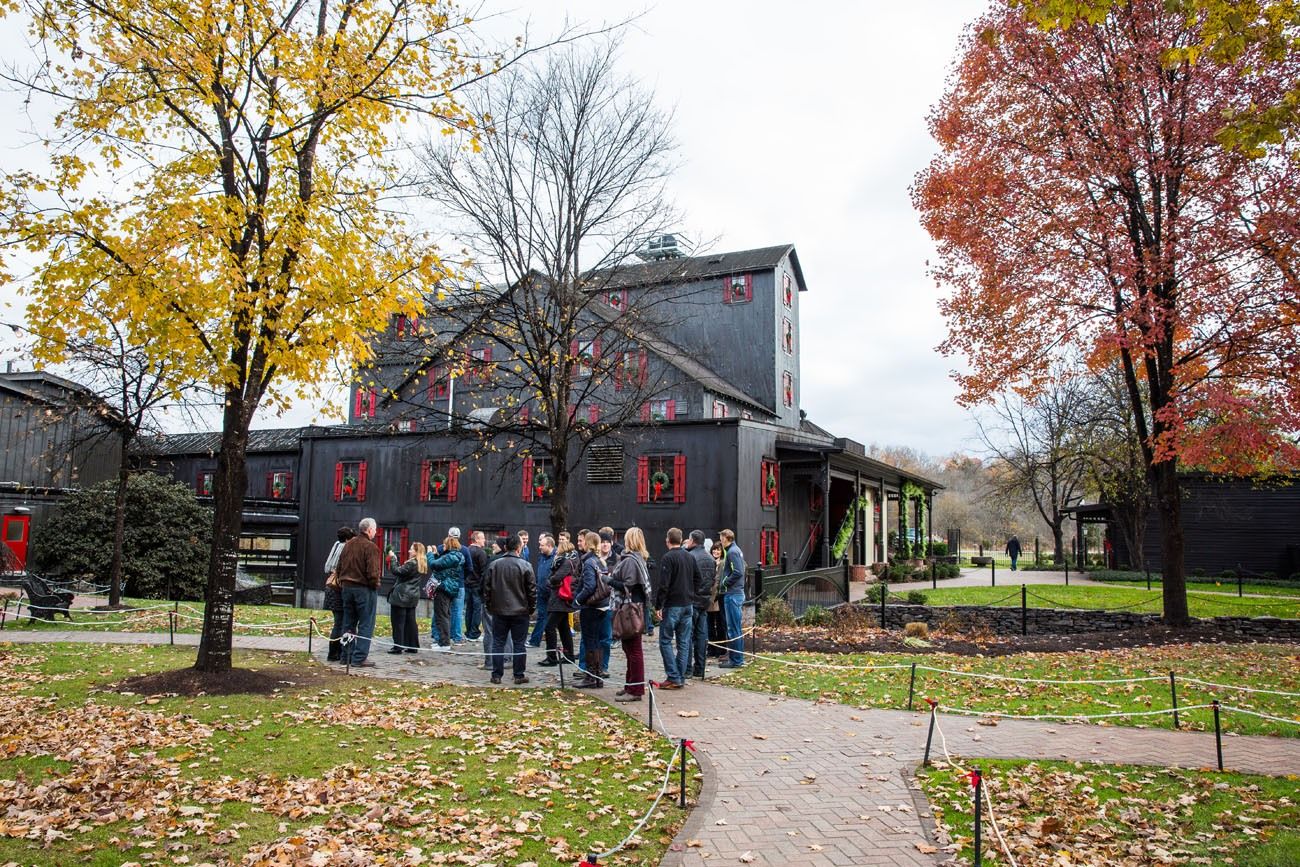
(802, 124)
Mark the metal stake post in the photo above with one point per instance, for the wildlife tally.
(911, 687)
(1238, 583)
(1024, 611)
(979, 790)
(171, 627)
(993, 572)
(650, 717)
(934, 575)
(1173, 694)
(561, 666)
(681, 795)
(1218, 734)
(929, 738)
(310, 630)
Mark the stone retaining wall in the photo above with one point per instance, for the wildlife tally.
(1058, 621)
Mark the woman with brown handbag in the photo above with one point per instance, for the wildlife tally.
(630, 582)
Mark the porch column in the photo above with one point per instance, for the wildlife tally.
(826, 512)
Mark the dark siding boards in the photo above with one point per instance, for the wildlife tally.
(489, 490)
(41, 448)
(1234, 523)
(185, 469)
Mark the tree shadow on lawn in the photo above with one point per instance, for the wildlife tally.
(190, 682)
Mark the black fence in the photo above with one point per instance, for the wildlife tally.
(803, 590)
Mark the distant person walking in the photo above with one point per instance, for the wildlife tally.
(1013, 551)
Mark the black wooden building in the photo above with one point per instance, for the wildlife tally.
(58, 436)
(722, 442)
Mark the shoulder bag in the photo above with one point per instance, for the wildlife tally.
(629, 620)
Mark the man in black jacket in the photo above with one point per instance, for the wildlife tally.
(475, 568)
(509, 594)
(674, 603)
(704, 582)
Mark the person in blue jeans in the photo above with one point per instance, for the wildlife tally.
(1013, 551)
(545, 560)
(733, 598)
(457, 601)
(674, 600)
(359, 569)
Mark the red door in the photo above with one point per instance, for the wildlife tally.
(14, 531)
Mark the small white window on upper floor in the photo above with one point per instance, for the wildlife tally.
(738, 289)
(787, 289)
(719, 409)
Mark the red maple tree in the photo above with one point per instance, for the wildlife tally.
(1084, 212)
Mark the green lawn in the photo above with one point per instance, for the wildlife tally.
(1201, 603)
(861, 680)
(361, 770)
(249, 619)
(1113, 814)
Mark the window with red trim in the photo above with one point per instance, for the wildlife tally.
(770, 483)
(769, 546)
(350, 482)
(662, 410)
(363, 404)
(787, 290)
(204, 483)
(394, 540)
(439, 478)
(787, 388)
(738, 289)
(593, 413)
(478, 367)
(524, 415)
(661, 479)
(438, 382)
(587, 353)
(407, 326)
(787, 336)
(279, 485)
(719, 409)
(616, 299)
(538, 480)
(632, 369)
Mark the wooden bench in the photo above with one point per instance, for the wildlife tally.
(43, 602)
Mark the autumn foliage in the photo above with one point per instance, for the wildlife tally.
(1085, 211)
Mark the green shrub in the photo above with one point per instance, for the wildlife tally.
(168, 536)
(939, 549)
(775, 612)
(915, 597)
(815, 615)
(874, 593)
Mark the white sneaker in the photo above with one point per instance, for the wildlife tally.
(438, 648)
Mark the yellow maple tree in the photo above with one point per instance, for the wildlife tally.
(217, 181)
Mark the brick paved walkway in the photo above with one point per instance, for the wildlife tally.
(819, 784)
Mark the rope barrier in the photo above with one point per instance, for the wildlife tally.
(1067, 717)
(943, 742)
(1063, 605)
(1293, 722)
(1185, 679)
(984, 676)
(1280, 601)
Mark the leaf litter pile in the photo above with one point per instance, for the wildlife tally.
(357, 774)
(1060, 814)
(861, 680)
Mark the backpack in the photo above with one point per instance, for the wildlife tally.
(601, 594)
(565, 590)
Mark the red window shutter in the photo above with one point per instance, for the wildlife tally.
(453, 478)
(749, 287)
(528, 480)
(415, 325)
(670, 410)
(426, 470)
(288, 486)
(620, 371)
(338, 481)
(593, 413)
(679, 479)
(432, 390)
(643, 368)
(572, 411)
(776, 544)
(645, 411)
(595, 349)
(406, 544)
(523, 415)
(643, 480)
(401, 326)
(357, 401)
(361, 483)
(270, 484)
(726, 290)
(573, 348)
(487, 354)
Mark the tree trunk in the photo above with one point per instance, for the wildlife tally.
(119, 532)
(1168, 495)
(560, 500)
(1058, 543)
(228, 512)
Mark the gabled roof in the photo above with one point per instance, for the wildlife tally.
(691, 268)
(209, 442)
(689, 366)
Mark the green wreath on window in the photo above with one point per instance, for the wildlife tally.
(541, 484)
(437, 482)
(277, 488)
(771, 483)
(659, 481)
(349, 486)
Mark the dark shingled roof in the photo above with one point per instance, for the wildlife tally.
(209, 442)
(690, 268)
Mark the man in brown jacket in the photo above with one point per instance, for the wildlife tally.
(359, 570)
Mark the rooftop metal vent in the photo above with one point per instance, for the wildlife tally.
(663, 247)
(605, 465)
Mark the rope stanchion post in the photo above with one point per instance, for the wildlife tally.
(911, 687)
(171, 627)
(681, 795)
(1239, 590)
(310, 629)
(993, 572)
(1148, 571)
(934, 575)
(1067, 570)
(650, 717)
(1218, 734)
(4, 614)
(977, 783)
(1173, 695)
(1024, 611)
(561, 667)
(929, 738)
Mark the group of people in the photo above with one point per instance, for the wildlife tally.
(491, 594)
